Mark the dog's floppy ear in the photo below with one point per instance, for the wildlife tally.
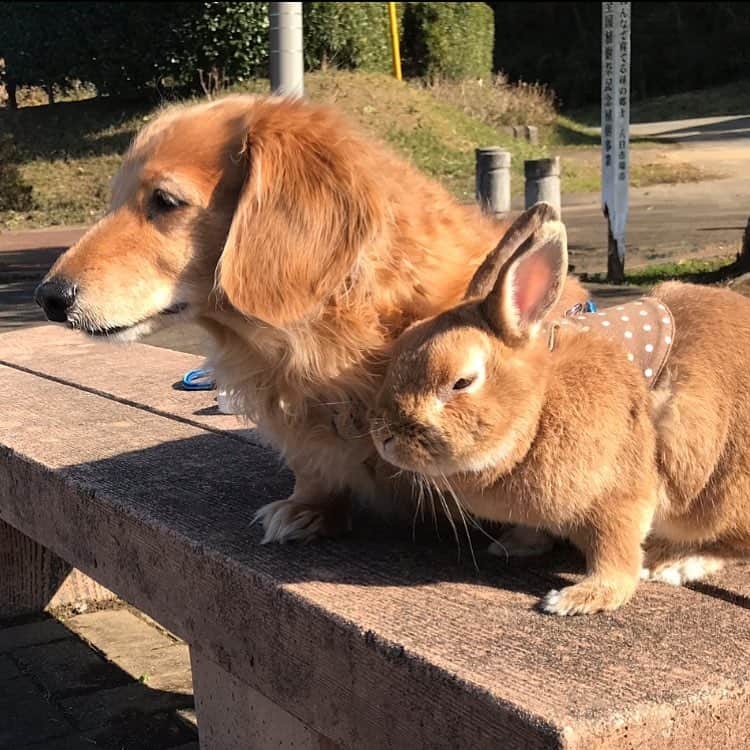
(309, 205)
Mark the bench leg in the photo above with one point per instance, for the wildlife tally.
(32, 578)
(234, 716)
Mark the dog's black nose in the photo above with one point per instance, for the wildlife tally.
(55, 297)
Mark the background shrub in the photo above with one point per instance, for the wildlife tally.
(448, 40)
(15, 194)
(348, 35)
(678, 46)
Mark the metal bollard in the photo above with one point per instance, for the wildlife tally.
(493, 180)
(542, 181)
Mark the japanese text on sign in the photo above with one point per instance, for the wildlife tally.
(615, 116)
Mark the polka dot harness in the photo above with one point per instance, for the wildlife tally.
(644, 328)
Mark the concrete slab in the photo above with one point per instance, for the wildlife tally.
(135, 699)
(68, 667)
(103, 713)
(32, 634)
(374, 641)
(15, 687)
(137, 648)
(160, 731)
(31, 721)
(70, 742)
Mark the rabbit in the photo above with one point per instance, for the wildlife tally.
(562, 441)
(701, 408)
(584, 449)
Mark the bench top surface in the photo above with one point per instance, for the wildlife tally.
(376, 640)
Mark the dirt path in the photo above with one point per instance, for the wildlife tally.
(680, 221)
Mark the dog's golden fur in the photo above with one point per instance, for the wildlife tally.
(305, 248)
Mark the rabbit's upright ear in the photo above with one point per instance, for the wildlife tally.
(519, 231)
(529, 284)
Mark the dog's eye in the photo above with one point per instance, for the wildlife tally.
(163, 201)
(463, 383)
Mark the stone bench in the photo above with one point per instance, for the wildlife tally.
(110, 475)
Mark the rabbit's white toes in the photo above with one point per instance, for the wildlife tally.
(686, 569)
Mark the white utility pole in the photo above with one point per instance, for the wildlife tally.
(615, 130)
(287, 59)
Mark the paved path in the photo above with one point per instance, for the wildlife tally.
(665, 223)
(105, 679)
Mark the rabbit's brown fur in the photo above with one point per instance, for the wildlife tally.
(581, 448)
(702, 417)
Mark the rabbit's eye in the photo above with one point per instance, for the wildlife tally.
(463, 383)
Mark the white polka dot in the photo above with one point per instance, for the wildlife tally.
(620, 308)
(605, 322)
(580, 317)
(630, 356)
(667, 339)
(624, 318)
(585, 328)
(649, 348)
(647, 327)
(661, 307)
(638, 302)
(648, 372)
(665, 321)
(602, 314)
(628, 334)
(643, 312)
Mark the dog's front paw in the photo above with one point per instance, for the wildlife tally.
(295, 520)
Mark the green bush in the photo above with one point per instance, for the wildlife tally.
(15, 194)
(347, 35)
(131, 48)
(448, 40)
(128, 48)
(229, 40)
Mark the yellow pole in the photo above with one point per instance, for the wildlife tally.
(394, 41)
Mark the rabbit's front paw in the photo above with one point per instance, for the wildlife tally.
(586, 597)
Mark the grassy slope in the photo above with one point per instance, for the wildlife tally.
(730, 99)
(71, 150)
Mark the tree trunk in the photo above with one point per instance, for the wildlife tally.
(50, 92)
(743, 257)
(12, 88)
(615, 266)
